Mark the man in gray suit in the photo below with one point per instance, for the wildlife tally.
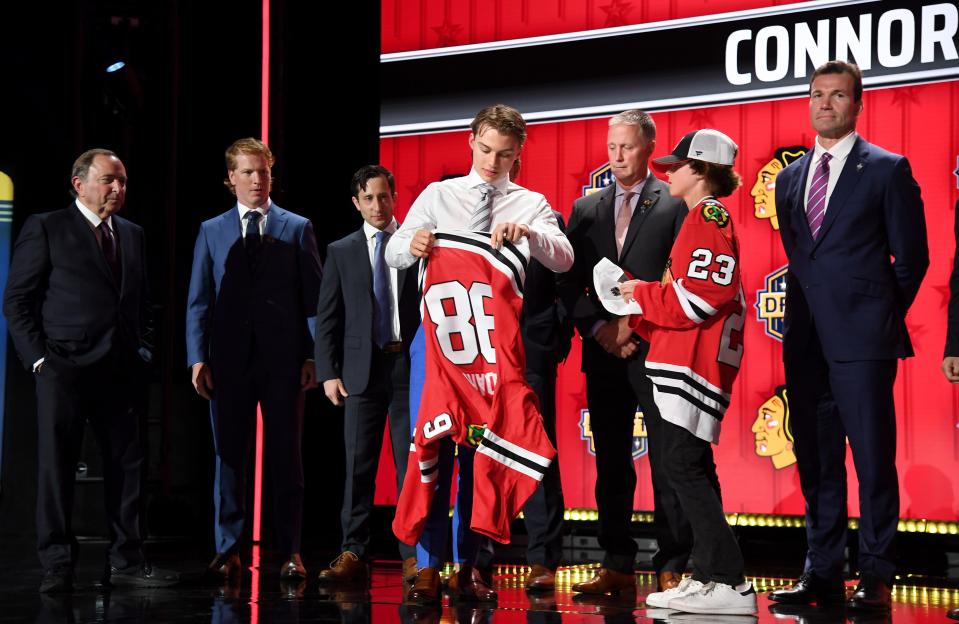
(632, 222)
(366, 320)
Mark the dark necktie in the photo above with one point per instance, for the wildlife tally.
(251, 237)
(108, 245)
(382, 314)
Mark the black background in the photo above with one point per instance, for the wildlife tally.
(190, 88)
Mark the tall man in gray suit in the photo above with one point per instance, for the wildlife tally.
(632, 223)
(368, 313)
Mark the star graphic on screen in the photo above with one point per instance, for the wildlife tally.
(416, 188)
(906, 95)
(447, 33)
(917, 332)
(701, 118)
(617, 13)
(943, 290)
(581, 176)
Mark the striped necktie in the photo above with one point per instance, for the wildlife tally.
(816, 202)
(483, 213)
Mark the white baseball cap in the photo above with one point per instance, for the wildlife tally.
(706, 145)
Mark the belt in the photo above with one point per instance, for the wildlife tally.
(392, 347)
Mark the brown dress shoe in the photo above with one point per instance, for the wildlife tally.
(347, 568)
(225, 566)
(467, 584)
(607, 581)
(293, 569)
(426, 587)
(667, 580)
(409, 569)
(540, 579)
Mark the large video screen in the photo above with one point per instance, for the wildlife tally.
(742, 69)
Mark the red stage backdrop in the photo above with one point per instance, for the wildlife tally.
(565, 159)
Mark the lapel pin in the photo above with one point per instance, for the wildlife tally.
(858, 167)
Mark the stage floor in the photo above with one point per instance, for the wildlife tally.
(261, 597)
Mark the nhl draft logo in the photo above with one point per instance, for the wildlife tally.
(771, 303)
(639, 433)
(599, 179)
(764, 190)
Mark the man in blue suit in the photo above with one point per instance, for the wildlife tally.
(250, 315)
(367, 316)
(852, 224)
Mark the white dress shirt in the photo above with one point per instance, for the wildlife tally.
(370, 232)
(448, 205)
(263, 210)
(839, 152)
(94, 219)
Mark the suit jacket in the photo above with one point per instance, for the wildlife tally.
(844, 283)
(952, 330)
(232, 305)
(654, 225)
(61, 298)
(546, 327)
(344, 321)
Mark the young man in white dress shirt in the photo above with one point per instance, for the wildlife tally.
(484, 200)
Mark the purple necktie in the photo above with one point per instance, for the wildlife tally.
(816, 203)
(109, 247)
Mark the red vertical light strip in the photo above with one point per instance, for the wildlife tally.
(265, 137)
(255, 585)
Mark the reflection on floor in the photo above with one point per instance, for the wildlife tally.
(261, 597)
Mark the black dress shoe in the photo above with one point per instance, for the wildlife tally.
(953, 614)
(872, 594)
(810, 588)
(142, 575)
(58, 580)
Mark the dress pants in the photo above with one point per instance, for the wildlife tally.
(612, 408)
(67, 397)
(692, 475)
(431, 547)
(828, 402)
(543, 512)
(233, 416)
(386, 396)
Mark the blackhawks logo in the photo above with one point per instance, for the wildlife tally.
(712, 211)
(763, 191)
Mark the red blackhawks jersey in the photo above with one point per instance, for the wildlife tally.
(693, 320)
(474, 390)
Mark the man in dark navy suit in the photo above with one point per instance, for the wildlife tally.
(77, 307)
(852, 224)
(249, 322)
(368, 313)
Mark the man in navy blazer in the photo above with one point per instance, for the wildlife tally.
(367, 316)
(77, 307)
(250, 311)
(852, 224)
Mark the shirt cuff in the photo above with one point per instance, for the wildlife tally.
(38, 363)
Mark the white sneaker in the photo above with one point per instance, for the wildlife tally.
(661, 599)
(718, 598)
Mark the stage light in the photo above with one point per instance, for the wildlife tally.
(113, 67)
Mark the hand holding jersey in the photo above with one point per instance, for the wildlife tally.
(474, 390)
